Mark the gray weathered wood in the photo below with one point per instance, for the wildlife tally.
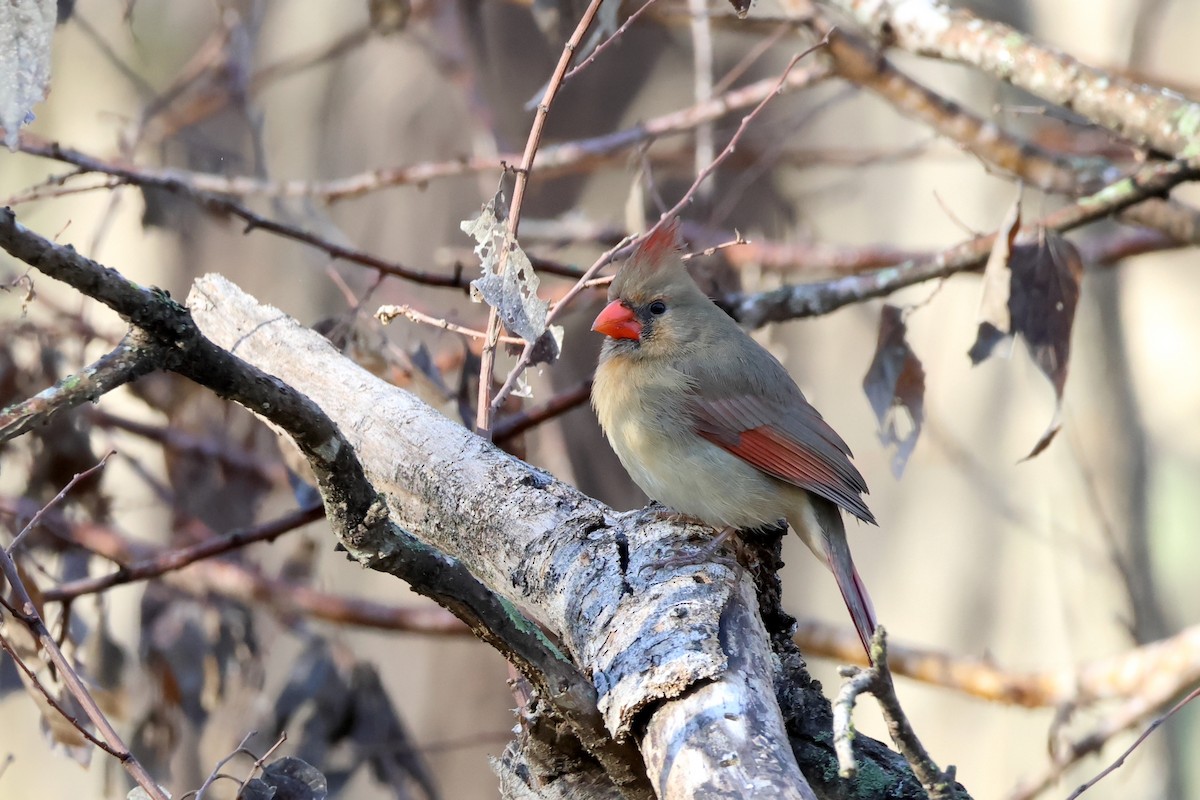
(678, 655)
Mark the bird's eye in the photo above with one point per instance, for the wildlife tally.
(658, 307)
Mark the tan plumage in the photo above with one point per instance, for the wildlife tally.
(709, 423)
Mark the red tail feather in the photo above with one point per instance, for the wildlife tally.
(854, 593)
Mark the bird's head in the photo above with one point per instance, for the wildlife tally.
(654, 306)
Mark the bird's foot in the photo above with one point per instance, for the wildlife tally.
(657, 512)
(702, 556)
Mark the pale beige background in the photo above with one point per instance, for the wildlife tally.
(976, 553)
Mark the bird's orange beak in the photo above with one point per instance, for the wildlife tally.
(618, 322)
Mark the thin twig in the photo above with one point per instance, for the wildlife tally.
(25, 611)
(795, 301)
(487, 359)
(172, 560)
(37, 518)
(54, 703)
(216, 770)
(261, 761)
(1167, 666)
(386, 314)
(217, 200)
(523, 362)
(609, 42)
(510, 426)
(1136, 742)
(737, 240)
(877, 680)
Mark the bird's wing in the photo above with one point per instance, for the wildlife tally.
(792, 443)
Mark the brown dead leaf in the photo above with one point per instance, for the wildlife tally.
(895, 387)
(995, 319)
(1044, 278)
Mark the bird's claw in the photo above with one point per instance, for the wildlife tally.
(657, 512)
(704, 555)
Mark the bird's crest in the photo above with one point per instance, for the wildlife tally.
(653, 261)
(659, 245)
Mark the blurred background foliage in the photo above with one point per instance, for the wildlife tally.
(1039, 565)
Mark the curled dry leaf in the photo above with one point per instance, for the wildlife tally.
(895, 387)
(287, 778)
(509, 283)
(995, 319)
(1041, 292)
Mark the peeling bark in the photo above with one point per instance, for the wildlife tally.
(677, 654)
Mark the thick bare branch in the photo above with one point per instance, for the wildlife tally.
(352, 504)
(812, 299)
(587, 573)
(1145, 115)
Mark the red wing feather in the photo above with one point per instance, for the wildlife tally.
(809, 455)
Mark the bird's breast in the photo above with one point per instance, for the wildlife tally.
(646, 421)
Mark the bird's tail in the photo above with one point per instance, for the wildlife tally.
(854, 591)
(826, 522)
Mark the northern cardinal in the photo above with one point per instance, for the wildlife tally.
(709, 423)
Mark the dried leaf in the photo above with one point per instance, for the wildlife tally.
(26, 30)
(63, 734)
(287, 779)
(375, 720)
(895, 387)
(192, 647)
(1043, 291)
(511, 288)
(348, 709)
(995, 320)
(1046, 278)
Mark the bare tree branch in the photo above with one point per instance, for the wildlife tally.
(1145, 115)
(352, 504)
(791, 302)
(25, 611)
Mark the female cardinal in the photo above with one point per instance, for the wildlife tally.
(709, 423)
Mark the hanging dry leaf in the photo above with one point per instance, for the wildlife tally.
(1046, 278)
(1043, 290)
(509, 284)
(895, 387)
(995, 319)
(287, 778)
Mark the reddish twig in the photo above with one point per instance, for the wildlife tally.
(386, 314)
(609, 42)
(261, 761)
(50, 699)
(518, 423)
(1136, 742)
(178, 559)
(37, 518)
(216, 770)
(487, 359)
(523, 362)
(25, 611)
